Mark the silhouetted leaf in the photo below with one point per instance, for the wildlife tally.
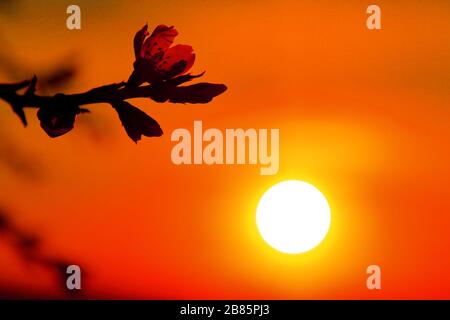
(184, 78)
(136, 122)
(196, 93)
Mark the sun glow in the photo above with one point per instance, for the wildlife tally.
(293, 217)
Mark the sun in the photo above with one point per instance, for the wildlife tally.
(293, 216)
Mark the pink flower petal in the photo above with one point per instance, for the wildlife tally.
(159, 41)
(177, 60)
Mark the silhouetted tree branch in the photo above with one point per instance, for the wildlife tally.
(157, 63)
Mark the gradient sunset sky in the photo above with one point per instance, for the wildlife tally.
(363, 115)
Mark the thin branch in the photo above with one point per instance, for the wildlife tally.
(57, 113)
(103, 94)
(165, 76)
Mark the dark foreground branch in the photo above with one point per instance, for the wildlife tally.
(157, 63)
(57, 113)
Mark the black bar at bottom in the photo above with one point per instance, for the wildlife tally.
(215, 309)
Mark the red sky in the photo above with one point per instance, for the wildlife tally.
(363, 115)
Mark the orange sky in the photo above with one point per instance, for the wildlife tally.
(363, 115)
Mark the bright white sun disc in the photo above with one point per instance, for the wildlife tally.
(293, 216)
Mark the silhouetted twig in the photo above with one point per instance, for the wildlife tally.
(157, 63)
